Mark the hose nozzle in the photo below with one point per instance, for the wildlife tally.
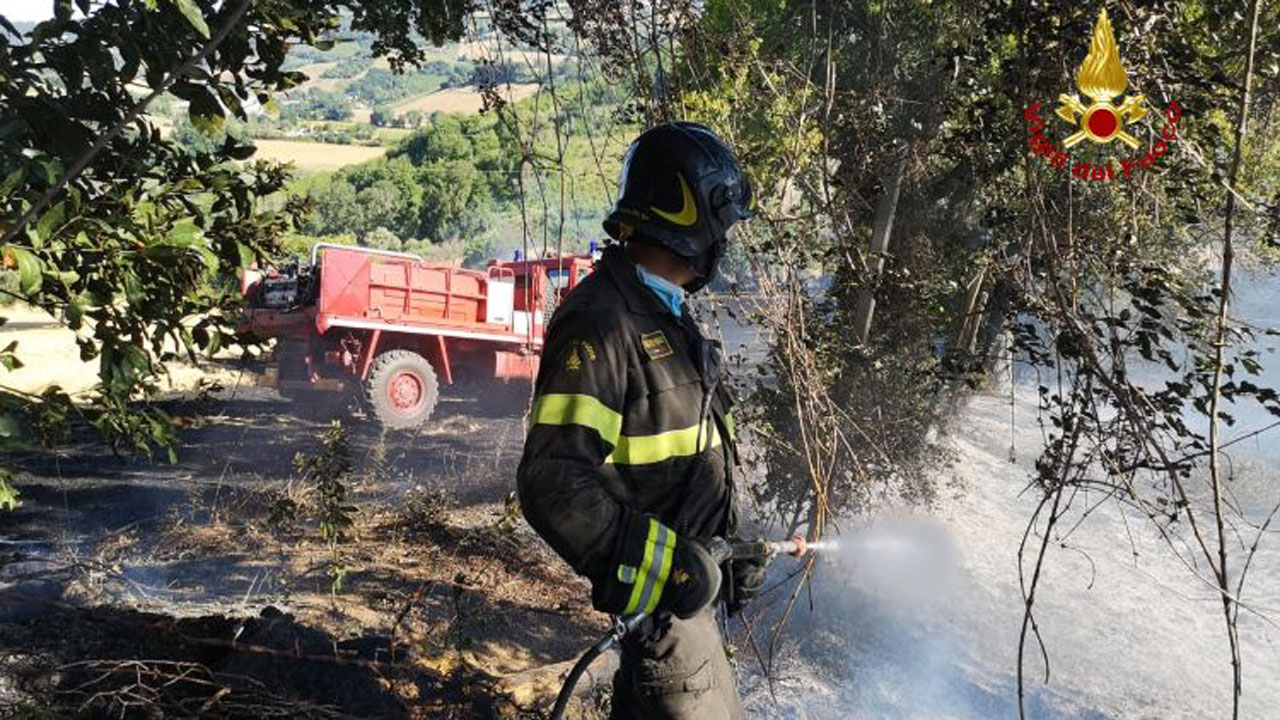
(795, 546)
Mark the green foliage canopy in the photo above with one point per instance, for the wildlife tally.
(441, 183)
(130, 238)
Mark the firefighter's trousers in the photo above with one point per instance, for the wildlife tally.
(675, 669)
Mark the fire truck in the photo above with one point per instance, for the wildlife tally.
(391, 328)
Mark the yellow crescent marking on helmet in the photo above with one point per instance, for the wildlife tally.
(688, 214)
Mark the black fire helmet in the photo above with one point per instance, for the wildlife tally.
(681, 188)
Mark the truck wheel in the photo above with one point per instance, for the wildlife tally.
(402, 389)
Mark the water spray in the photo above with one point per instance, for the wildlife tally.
(720, 549)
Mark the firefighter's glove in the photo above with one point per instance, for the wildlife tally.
(653, 570)
(694, 582)
(746, 580)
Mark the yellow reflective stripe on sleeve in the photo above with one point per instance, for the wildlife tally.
(642, 577)
(728, 423)
(584, 410)
(648, 449)
(651, 578)
(664, 571)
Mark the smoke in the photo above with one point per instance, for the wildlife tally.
(919, 616)
(890, 587)
(885, 636)
(874, 597)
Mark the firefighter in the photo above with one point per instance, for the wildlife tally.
(628, 467)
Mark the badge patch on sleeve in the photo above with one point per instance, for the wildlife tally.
(656, 346)
(581, 350)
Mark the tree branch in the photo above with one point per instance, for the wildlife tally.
(83, 161)
(1220, 345)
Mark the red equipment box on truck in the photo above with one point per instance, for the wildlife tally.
(397, 327)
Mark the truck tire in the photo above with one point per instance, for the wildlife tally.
(402, 389)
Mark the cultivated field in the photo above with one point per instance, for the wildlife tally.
(312, 156)
(315, 70)
(461, 100)
(480, 51)
(314, 79)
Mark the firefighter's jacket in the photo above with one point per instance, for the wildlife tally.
(617, 467)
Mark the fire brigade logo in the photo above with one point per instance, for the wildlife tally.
(1102, 78)
(579, 350)
(1107, 117)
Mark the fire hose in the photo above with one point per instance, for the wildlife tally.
(720, 549)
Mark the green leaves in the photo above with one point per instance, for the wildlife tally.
(29, 267)
(12, 181)
(191, 11)
(247, 254)
(327, 470)
(9, 358)
(205, 111)
(8, 494)
(237, 149)
(48, 224)
(185, 233)
(149, 237)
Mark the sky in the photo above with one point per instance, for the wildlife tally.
(26, 9)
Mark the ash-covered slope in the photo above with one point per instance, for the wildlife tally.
(919, 617)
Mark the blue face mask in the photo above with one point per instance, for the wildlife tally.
(671, 295)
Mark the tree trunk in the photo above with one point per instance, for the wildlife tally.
(970, 318)
(885, 212)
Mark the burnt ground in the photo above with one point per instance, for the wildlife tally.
(134, 587)
(129, 586)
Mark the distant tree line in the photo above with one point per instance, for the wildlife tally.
(380, 88)
(442, 183)
(348, 67)
(379, 85)
(318, 105)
